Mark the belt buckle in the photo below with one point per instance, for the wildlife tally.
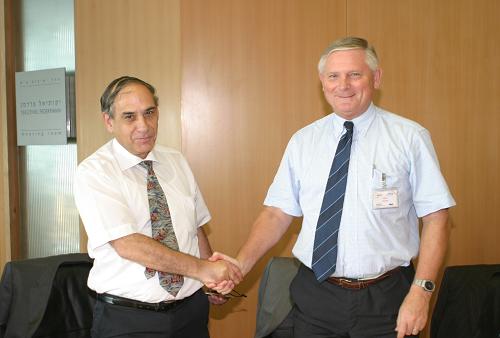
(166, 305)
(352, 283)
(349, 281)
(345, 281)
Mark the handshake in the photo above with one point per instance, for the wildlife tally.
(221, 273)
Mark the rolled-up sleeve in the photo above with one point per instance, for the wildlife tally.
(429, 188)
(284, 191)
(104, 212)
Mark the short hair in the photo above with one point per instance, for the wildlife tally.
(112, 90)
(348, 43)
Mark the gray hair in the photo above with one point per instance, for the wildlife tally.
(348, 43)
(112, 90)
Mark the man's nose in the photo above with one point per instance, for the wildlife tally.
(141, 123)
(344, 82)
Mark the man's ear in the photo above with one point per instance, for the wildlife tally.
(377, 78)
(108, 121)
(321, 78)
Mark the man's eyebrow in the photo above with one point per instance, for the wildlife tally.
(133, 112)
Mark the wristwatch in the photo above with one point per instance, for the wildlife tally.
(425, 284)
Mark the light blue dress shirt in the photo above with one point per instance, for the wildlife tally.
(385, 146)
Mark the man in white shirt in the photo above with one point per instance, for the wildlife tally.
(146, 287)
(392, 178)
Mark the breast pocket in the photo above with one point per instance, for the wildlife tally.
(387, 189)
(136, 197)
(182, 210)
(383, 179)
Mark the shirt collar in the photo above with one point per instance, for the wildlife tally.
(361, 123)
(127, 160)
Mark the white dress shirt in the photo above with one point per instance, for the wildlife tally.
(111, 196)
(371, 241)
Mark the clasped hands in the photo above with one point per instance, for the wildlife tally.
(221, 273)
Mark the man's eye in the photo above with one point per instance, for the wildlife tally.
(355, 75)
(128, 116)
(150, 113)
(333, 76)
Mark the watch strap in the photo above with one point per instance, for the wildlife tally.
(425, 284)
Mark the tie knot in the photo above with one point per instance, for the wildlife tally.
(148, 165)
(349, 126)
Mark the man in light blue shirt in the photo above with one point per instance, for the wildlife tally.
(393, 180)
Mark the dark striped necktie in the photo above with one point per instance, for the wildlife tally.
(325, 240)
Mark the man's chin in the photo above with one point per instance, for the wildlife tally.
(347, 114)
(143, 151)
(144, 143)
(343, 108)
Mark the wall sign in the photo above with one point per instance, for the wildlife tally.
(41, 107)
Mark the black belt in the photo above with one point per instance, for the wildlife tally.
(357, 284)
(122, 301)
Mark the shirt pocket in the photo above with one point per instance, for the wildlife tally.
(387, 180)
(184, 219)
(136, 196)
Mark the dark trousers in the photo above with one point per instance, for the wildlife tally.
(324, 310)
(189, 319)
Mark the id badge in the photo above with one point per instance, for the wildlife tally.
(385, 198)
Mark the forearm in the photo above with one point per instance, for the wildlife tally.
(148, 252)
(433, 244)
(267, 230)
(413, 312)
